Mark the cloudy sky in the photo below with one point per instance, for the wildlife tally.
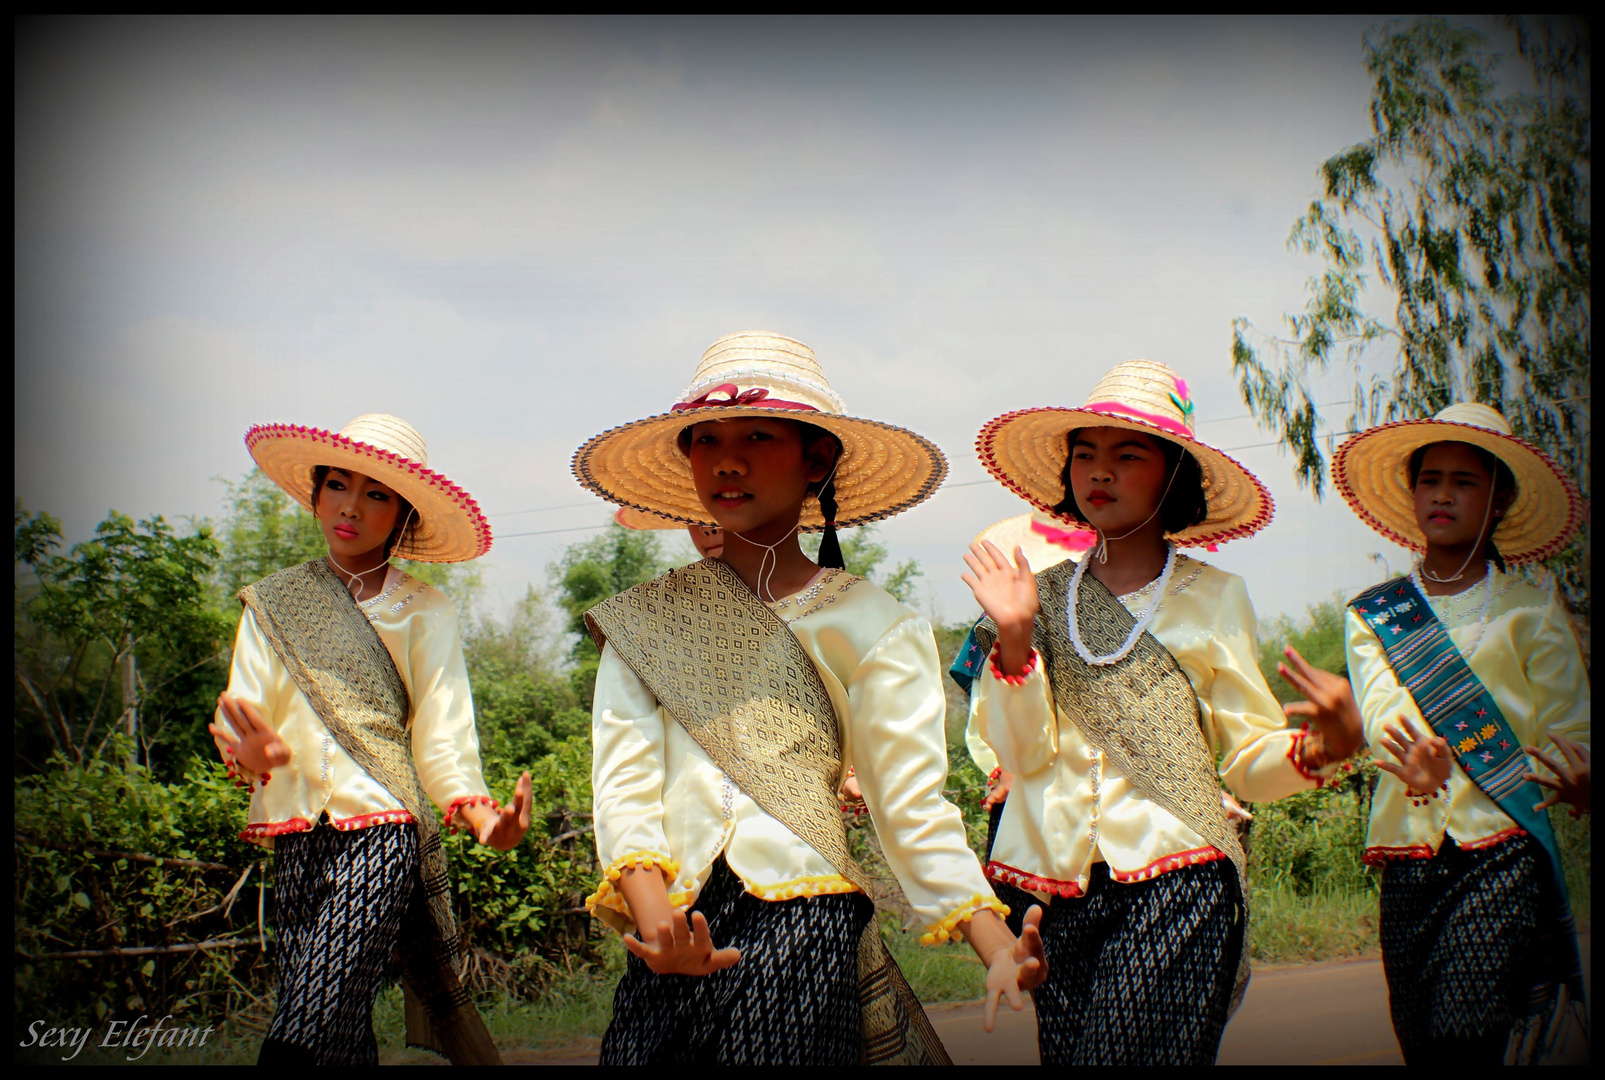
(515, 234)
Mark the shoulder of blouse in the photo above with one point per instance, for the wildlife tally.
(410, 597)
(1524, 594)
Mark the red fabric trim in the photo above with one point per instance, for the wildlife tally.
(382, 817)
(1376, 856)
(262, 432)
(757, 396)
(1020, 879)
(1168, 863)
(1574, 503)
(264, 829)
(458, 804)
(1497, 838)
(1013, 680)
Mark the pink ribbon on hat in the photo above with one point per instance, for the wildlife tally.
(1158, 420)
(734, 397)
(1070, 539)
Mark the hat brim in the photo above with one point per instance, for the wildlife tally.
(1040, 552)
(1372, 473)
(1026, 452)
(450, 526)
(883, 470)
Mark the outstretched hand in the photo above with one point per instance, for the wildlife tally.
(503, 828)
(1008, 594)
(1023, 966)
(246, 737)
(1424, 761)
(1329, 705)
(1572, 785)
(682, 948)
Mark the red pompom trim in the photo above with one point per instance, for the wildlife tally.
(1012, 680)
(1020, 879)
(262, 830)
(1168, 863)
(466, 800)
(1296, 756)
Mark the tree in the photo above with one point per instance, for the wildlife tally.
(593, 570)
(115, 635)
(863, 553)
(1470, 204)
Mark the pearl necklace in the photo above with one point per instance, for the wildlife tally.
(1482, 615)
(1136, 631)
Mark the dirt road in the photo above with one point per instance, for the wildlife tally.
(1276, 1025)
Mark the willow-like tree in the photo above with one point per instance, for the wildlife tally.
(1470, 206)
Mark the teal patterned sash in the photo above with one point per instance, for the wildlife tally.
(1461, 710)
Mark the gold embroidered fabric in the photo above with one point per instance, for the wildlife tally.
(1141, 712)
(336, 658)
(737, 679)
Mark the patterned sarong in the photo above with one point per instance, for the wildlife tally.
(738, 680)
(338, 661)
(1460, 709)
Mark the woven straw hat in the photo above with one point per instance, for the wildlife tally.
(1372, 471)
(1043, 538)
(449, 527)
(1026, 450)
(884, 469)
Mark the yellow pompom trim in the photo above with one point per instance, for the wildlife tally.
(950, 928)
(606, 893)
(819, 885)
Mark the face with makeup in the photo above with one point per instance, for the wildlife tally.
(356, 513)
(1452, 496)
(1118, 477)
(752, 473)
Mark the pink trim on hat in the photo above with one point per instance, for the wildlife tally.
(737, 398)
(260, 433)
(1164, 423)
(1071, 539)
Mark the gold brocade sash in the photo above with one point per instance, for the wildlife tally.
(338, 661)
(738, 680)
(1141, 713)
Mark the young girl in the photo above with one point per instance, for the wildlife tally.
(1458, 669)
(1114, 687)
(347, 712)
(730, 695)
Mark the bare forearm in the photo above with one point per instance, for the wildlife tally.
(986, 934)
(648, 896)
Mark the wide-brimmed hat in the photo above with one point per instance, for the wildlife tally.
(1372, 472)
(1026, 450)
(1043, 538)
(449, 527)
(883, 470)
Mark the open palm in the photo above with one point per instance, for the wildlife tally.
(1007, 593)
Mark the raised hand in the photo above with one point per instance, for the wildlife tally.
(1329, 706)
(502, 829)
(1022, 966)
(247, 737)
(1008, 594)
(682, 948)
(1424, 761)
(1570, 785)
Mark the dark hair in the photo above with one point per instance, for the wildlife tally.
(406, 520)
(1185, 505)
(830, 550)
(1504, 480)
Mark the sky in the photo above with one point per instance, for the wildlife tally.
(517, 233)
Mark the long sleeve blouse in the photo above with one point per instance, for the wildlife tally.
(1070, 808)
(418, 625)
(1527, 657)
(661, 801)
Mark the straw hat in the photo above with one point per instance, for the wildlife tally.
(884, 469)
(1043, 538)
(1026, 450)
(449, 526)
(1372, 471)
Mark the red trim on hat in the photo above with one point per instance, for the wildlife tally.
(736, 398)
(1574, 500)
(260, 433)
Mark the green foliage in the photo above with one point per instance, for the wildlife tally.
(862, 555)
(1319, 638)
(67, 897)
(263, 532)
(590, 572)
(1472, 207)
(116, 634)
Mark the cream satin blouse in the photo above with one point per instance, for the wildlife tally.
(659, 800)
(418, 624)
(1070, 808)
(1527, 658)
